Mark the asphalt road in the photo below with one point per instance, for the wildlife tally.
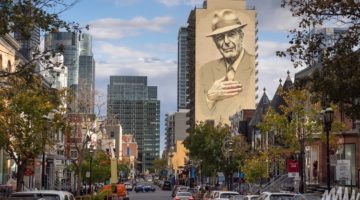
(157, 195)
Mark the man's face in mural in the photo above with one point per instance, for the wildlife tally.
(229, 43)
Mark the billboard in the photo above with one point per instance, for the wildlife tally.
(224, 60)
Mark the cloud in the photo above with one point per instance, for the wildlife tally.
(114, 28)
(169, 2)
(178, 2)
(122, 2)
(271, 70)
(119, 60)
(269, 48)
(280, 19)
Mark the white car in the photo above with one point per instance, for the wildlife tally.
(128, 186)
(222, 195)
(276, 196)
(251, 197)
(43, 194)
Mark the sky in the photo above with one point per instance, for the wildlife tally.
(139, 37)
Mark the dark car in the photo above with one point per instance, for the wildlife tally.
(149, 188)
(166, 185)
(139, 188)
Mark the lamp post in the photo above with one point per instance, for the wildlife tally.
(229, 145)
(328, 117)
(91, 151)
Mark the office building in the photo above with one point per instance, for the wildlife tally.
(175, 128)
(78, 57)
(135, 104)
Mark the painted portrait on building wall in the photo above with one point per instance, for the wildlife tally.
(225, 63)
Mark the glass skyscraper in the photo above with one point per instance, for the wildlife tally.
(135, 104)
(78, 58)
(182, 102)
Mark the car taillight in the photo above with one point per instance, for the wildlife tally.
(177, 198)
(191, 198)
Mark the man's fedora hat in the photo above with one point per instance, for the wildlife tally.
(224, 21)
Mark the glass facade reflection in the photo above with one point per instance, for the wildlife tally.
(135, 104)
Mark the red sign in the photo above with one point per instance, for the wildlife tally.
(293, 166)
(30, 166)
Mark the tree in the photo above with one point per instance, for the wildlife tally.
(256, 168)
(81, 123)
(25, 122)
(206, 145)
(100, 169)
(337, 78)
(160, 165)
(25, 16)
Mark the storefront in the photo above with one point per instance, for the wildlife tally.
(348, 144)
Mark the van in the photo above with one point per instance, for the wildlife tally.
(43, 194)
(119, 191)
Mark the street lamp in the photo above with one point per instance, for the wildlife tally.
(229, 147)
(91, 151)
(328, 117)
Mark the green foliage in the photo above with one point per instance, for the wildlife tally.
(337, 80)
(256, 168)
(100, 166)
(160, 164)
(206, 145)
(26, 15)
(299, 119)
(25, 118)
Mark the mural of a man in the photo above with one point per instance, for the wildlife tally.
(224, 83)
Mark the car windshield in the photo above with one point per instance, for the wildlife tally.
(51, 197)
(184, 194)
(227, 195)
(281, 197)
(183, 189)
(238, 197)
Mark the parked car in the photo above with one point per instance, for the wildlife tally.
(183, 196)
(276, 196)
(237, 197)
(139, 188)
(251, 197)
(223, 195)
(43, 194)
(166, 185)
(128, 186)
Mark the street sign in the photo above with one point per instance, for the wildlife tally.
(293, 168)
(343, 172)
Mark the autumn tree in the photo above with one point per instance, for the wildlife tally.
(335, 59)
(256, 168)
(84, 110)
(28, 114)
(206, 145)
(160, 165)
(296, 125)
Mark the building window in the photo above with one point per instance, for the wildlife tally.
(1, 62)
(9, 66)
(128, 151)
(347, 152)
(73, 154)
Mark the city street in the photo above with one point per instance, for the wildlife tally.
(158, 195)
